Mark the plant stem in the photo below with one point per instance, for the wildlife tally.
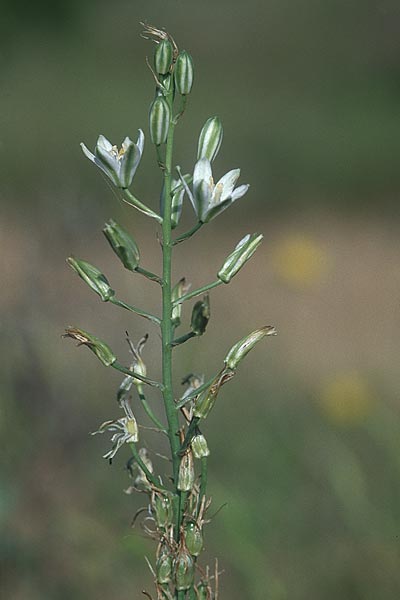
(145, 470)
(130, 199)
(149, 412)
(134, 309)
(197, 292)
(188, 234)
(149, 275)
(116, 365)
(183, 338)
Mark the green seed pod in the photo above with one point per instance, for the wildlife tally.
(123, 245)
(177, 291)
(241, 254)
(93, 277)
(159, 119)
(210, 139)
(206, 400)
(183, 569)
(186, 472)
(101, 350)
(164, 565)
(184, 73)
(199, 446)
(163, 57)
(243, 346)
(162, 509)
(200, 315)
(193, 538)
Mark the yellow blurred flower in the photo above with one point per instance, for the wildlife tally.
(347, 398)
(300, 260)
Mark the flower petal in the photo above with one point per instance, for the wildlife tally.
(216, 209)
(140, 141)
(228, 182)
(129, 163)
(104, 143)
(239, 192)
(202, 171)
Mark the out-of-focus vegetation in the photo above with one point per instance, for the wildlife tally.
(309, 466)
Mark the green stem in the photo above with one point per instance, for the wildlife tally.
(197, 292)
(183, 338)
(149, 275)
(149, 411)
(130, 199)
(166, 325)
(188, 234)
(146, 471)
(116, 365)
(137, 311)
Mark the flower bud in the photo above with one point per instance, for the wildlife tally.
(186, 472)
(164, 565)
(123, 245)
(241, 254)
(159, 119)
(177, 291)
(184, 73)
(162, 509)
(183, 569)
(200, 315)
(210, 139)
(163, 57)
(93, 277)
(193, 538)
(206, 400)
(101, 350)
(199, 446)
(243, 346)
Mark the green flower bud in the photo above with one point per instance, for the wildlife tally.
(164, 567)
(101, 350)
(159, 119)
(123, 245)
(210, 139)
(177, 291)
(163, 57)
(193, 538)
(162, 509)
(183, 569)
(199, 446)
(241, 254)
(243, 346)
(200, 315)
(206, 400)
(184, 73)
(186, 472)
(93, 277)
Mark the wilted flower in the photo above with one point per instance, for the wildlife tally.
(100, 349)
(126, 430)
(243, 346)
(137, 366)
(210, 199)
(118, 164)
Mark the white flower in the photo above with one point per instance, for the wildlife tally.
(210, 199)
(126, 430)
(118, 164)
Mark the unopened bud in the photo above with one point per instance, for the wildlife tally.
(193, 538)
(243, 346)
(183, 569)
(184, 73)
(186, 472)
(241, 254)
(123, 245)
(199, 446)
(93, 277)
(200, 315)
(163, 57)
(159, 119)
(101, 350)
(162, 509)
(210, 139)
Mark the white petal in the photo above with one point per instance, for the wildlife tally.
(202, 171)
(104, 143)
(228, 182)
(129, 163)
(239, 192)
(140, 141)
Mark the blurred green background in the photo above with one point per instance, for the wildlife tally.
(306, 442)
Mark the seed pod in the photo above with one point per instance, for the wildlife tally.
(162, 508)
(241, 254)
(164, 568)
(93, 277)
(200, 315)
(101, 350)
(186, 472)
(203, 591)
(193, 538)
(184, 73)
(199, 446)
(243, 346)
(159, 119)
(177, 291)
(210, 139)
(163, 57)
(183, 568)
(123, 245)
